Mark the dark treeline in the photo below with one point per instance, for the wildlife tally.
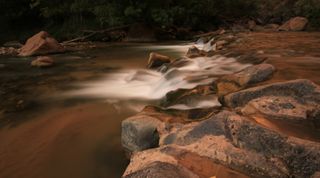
(65, 18)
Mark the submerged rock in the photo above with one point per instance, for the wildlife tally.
(42, 61)
(157, 60)
(294, 24)
(249, 76)
(40, 44)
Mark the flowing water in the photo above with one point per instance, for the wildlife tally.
(74, 130)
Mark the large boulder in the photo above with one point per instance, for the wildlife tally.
(157, 60)
(40, 44)
(233, 141)
(139, 133)
(297, 100)
(301, 89)
(251, 75)
(294, 24)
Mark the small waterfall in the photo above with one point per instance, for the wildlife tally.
(144, 84)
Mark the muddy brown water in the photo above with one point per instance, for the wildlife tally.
(63, 137)
(44, 136)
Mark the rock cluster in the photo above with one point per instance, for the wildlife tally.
(163, 143)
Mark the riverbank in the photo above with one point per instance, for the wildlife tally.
(266, 126)
(69, 145)
(46, 133)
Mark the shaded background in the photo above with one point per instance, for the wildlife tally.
(66, 19)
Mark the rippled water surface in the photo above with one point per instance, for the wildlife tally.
(74, 129)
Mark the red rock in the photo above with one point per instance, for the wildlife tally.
(294, 24)
(42, 61)
(39, 44)
(156, 60)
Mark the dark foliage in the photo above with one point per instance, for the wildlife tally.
(67, 17)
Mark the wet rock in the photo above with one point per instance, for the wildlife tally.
(13, 44)
(235, 142)
(142, 131)
(161, 170)
(201, 96)
(286, 108)
(42, 61)
(40, 44)
(139, 133)
(157, 60)
(249, 76)
(301, 90)
(294, 24)
(249, 148)
(194, 52)
(220, 44)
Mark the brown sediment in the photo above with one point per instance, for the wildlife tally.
(64, 142)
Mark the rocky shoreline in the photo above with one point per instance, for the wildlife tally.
(191, 143)
(228, 139)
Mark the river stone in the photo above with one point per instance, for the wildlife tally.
(251, 75)
(161, 170)
(139, 133)
(279, 108)
(157, 60)
(42, 61)
(233, 141)
(184, 162)
(40, 44)
(236, 142)
(301, 89)
(294, 24)
(194, 52)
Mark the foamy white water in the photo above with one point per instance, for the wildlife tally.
(152, 85)
(145, 84)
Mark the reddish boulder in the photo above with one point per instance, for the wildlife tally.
(294, 24)
(156, 60)
(39, 44)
